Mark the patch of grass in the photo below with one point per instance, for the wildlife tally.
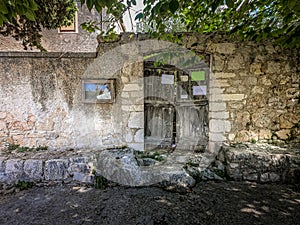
(154, 155)
(191, 164)
(41, 148)
(24, 185)
(13, 147)
(100, 182)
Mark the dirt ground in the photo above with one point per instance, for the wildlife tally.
(207, 203)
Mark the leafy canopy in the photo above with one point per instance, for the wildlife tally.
(276, 20)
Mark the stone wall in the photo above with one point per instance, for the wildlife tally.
(38, 97)
(254, 87)
(42, 104)
(254, 90)
(253, 93)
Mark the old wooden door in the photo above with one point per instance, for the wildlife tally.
(176, 108)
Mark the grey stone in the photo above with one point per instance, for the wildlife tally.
(56, 169)
(33, 169)
(14, 170)
(207, 174)
(121, 166)
(148, 161)
(250, 176)
(79, 167)
(269, 177)
(136, 120)
(137, 146)
(139, 136)
(82, 177)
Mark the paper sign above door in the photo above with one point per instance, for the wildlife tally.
(199, 90)
(198, 75)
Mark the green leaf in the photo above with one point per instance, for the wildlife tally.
(139, 16)
(30, 15)
(173, 6)
(133, 2)
(3, 7)
(99, 5)
(291, 4)
(90, 4)
(33, 5)
(230, 3)
(1, 20)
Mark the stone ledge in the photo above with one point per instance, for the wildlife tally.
(48, 54)
(260, 163)
(39, 170)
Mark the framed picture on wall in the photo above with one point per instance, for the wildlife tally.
(98, 91)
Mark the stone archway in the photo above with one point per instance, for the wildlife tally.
(125, 63)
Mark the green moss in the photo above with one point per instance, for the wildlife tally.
(12, 147)
(24, 185)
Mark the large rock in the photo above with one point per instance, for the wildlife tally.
(56, 169)
(13, 170)
(33, 169)
(121, 166)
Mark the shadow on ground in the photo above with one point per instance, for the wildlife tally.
(208, 203)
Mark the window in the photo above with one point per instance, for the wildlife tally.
(72, 28)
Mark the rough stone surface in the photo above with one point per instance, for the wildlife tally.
(33, 168)
(260, 163)
(136, 120)
(56, 169)
(13, 170)
(122, 167)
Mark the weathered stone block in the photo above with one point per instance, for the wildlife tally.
(33, 169)
(137, 146)
(227, 97)
(283, 134)
(128, 136)
(264, 134)
(217, 106)
(79, 168)
(223, 75)
(139, 136)
(218, 126)
(269, 177)
(136, 120)
(219, 83)
(219, 115)
(56, 169)
(224, 48)
(83, 177)
(237, 62)
(218, 137)
(14, 170)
